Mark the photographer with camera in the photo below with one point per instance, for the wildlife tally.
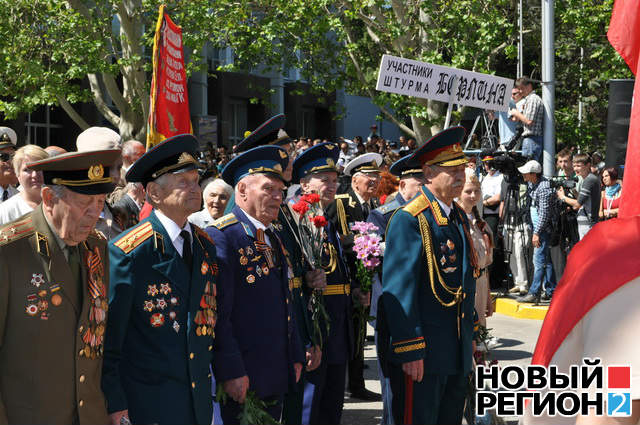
(542, 211)
(588, 202)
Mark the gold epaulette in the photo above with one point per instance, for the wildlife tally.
(225, 221)
(202, 233)
(417, 205)
(16, 230)
(343, 195)
(342, 216)
(132, 239)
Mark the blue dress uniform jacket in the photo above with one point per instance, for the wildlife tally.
(422, 316)
(256, 333)
(158, 348)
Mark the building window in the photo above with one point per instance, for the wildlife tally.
(238, 120)
(40, 130)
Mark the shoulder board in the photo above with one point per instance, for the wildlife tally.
(202, 233)
(225, 221)
(343, 195)
(132, 239)
(16, 230)
(417, 205)
(348, 198)
(383, 209)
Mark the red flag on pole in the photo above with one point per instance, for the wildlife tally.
(624, 36)
(169, 109)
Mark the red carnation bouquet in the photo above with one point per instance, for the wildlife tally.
(311, 225)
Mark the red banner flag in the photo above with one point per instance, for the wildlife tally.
(624, 36)
(169, 110)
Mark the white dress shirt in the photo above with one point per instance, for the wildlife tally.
(173, 230)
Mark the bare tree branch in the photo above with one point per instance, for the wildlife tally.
(73, 114)
(98, 99)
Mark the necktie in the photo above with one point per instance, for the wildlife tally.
(5, 195)
(275, 245)
(187, 254)
(365, 209)
(76, 268)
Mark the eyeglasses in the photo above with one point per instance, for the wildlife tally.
(5, 157)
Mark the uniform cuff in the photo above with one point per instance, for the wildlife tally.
(409, 350)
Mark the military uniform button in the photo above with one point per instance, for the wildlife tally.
(193, 385)
(210, 347)
(191, 356)
(208, 375)
(463, 315)
(464, 295)
(287, 300)
(81, 403)
(289, 318)
(80, 329)
(82, 378)
(81, 352)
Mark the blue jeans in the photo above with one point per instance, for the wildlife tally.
(532, 148)
(542, 267)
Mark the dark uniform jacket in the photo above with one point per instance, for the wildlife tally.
(427, 258)
(159, 345)
(256, 333)
(339, 346)
(47, 375)
(289, 235)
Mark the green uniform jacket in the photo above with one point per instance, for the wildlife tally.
(45, 376)
(415, 322)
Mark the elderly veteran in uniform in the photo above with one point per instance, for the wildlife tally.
(8, 140)
(163, 299)
(428, 292)
(411, 179)
(315, 171)
(271, 132)
(257, 345)
(54, 276)
(348, 208)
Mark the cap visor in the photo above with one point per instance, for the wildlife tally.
(93, 189)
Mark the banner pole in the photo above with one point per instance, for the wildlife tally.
(454, 89)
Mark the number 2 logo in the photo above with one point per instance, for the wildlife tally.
(618, 404)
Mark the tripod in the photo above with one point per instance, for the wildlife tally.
(513, 223)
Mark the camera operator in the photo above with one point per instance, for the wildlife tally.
(542, 212)
(588, 202)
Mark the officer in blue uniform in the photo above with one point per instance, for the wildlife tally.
(272, 132)
(257, 346)
(315, 170)
(410, 181)
(159, 342)
(426, 328)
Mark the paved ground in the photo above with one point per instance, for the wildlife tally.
(517, 342)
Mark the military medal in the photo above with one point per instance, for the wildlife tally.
(54, 288)
(43, 305)
(174, 300)
(165, 288)
(42, 293)
(172, 315)
(244, 260)
(161, 303)
(32, 309)
(37, 279)
(259, 271)
(44, 316)
(149, 306)
(176, 326)
(157, 320)
(204, 268)
(152, 290)
(249, 251)
(265, 270)
(251, 278)
(56, 299)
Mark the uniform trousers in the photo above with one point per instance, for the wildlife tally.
(437, 399)
(327, 383)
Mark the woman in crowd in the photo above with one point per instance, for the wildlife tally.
(30, 181)
(482, 243)
(216, 194)
(611, 194)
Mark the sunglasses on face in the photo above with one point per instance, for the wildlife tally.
(5, 157)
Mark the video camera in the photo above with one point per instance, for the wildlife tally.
(567, 183)
(507, 163)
